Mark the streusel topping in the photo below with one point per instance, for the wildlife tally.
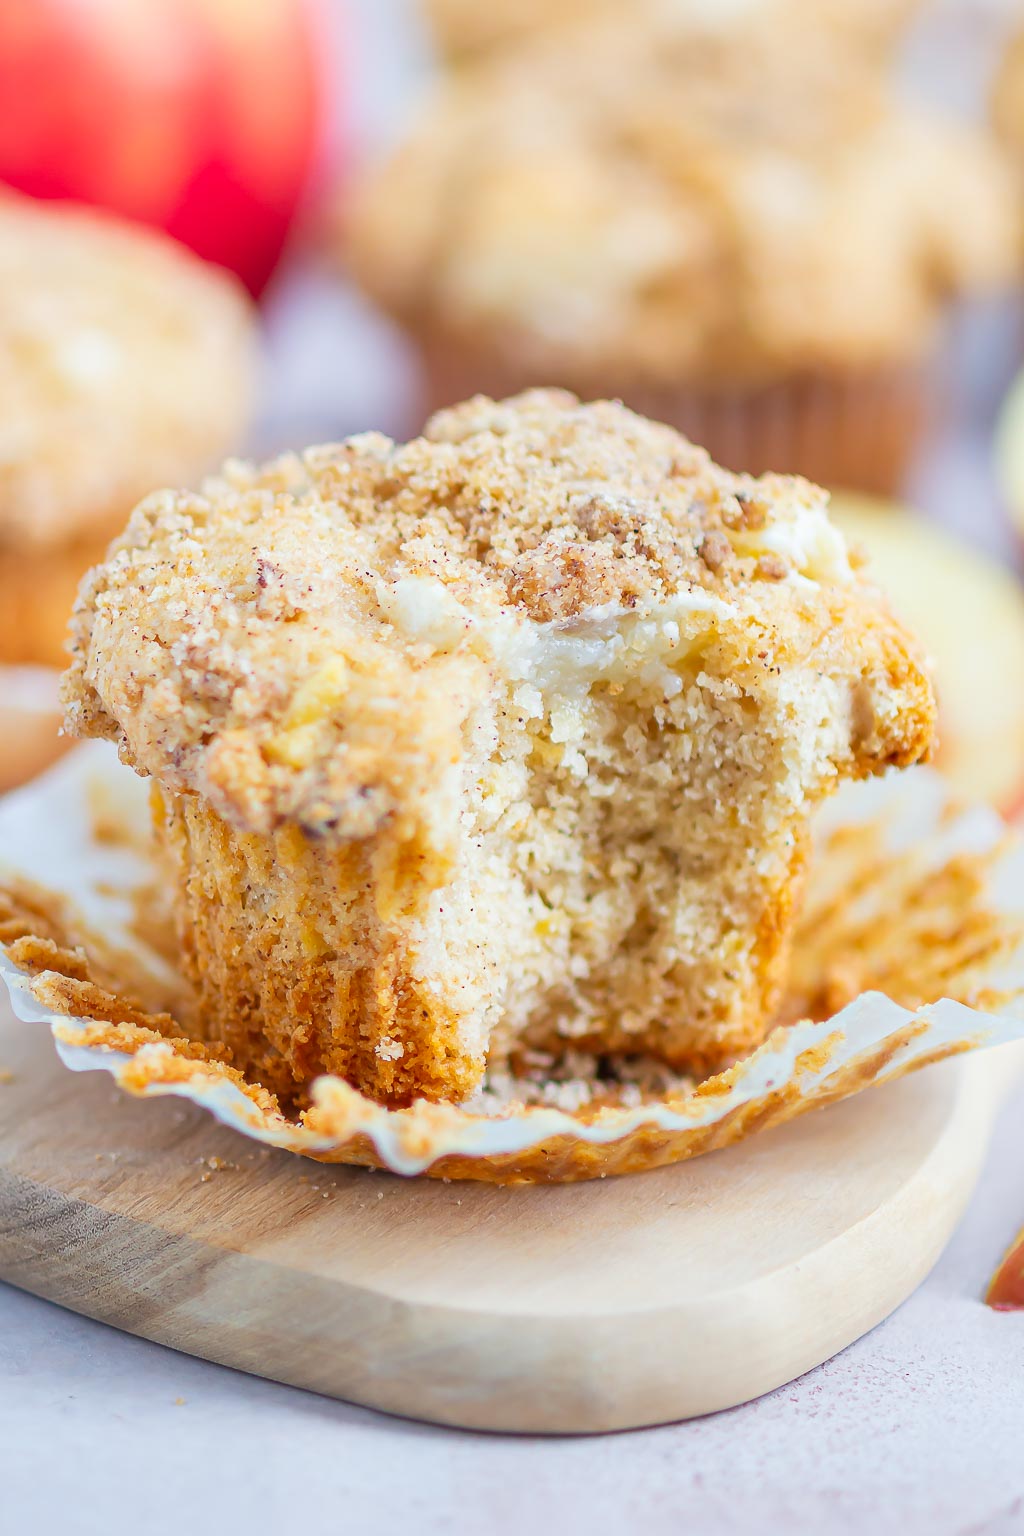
(307, 640)
(125, 363)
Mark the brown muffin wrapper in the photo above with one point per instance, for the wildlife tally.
(856, 431)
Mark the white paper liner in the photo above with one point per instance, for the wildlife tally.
(47, 834)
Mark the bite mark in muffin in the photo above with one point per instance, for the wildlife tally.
(464, 746)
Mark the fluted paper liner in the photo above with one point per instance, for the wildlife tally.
(911, 949)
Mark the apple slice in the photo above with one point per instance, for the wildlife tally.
(969, 613)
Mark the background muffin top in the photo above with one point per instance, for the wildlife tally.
(125, 363)
(660, 203)
(467, 28)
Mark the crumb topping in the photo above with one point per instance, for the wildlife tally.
(125, 363)
(312, 640)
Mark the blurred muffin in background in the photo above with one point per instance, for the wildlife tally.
(752, 240)
(467, 29)
(1008, 97)
(125, 363)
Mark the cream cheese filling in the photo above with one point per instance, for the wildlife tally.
(805, 537)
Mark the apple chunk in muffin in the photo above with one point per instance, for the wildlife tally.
(506, 736)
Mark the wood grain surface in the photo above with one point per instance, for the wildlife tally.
(555, 1309)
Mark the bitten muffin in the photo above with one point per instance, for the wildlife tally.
(505, 736)
(757, 243)
(466, 29)
(125, 364)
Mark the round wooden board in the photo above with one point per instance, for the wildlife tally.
(568, 1308)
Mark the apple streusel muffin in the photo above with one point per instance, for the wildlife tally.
(125, 364)
(507, 736)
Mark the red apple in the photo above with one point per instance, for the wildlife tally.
(199, 116)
